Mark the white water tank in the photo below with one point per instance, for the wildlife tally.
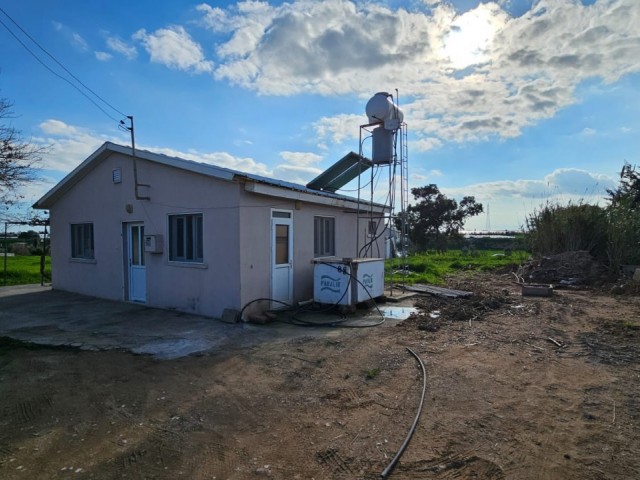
(381, 108)
(382, 146)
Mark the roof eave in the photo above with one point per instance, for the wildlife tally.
(71, 178)
(319, 197)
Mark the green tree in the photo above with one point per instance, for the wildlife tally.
(18, 158)
(435, 219)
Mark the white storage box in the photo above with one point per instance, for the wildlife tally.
(347, 281)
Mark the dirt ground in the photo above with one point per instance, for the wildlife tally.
(503, 400)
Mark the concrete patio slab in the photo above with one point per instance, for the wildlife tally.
(44, 316)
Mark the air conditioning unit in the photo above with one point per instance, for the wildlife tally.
(153, 243)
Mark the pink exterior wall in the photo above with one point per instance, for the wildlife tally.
(255, 243)
(205, 288)
(237, 237)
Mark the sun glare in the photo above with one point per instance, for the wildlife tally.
(470, 35)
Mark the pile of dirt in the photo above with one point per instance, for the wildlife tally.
(436, 310)
(567, 268)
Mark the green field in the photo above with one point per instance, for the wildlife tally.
(422, 268)
(22, 270)
(433, 268)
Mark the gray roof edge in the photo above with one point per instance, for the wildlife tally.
(109, 147)
(312, 191)
(70, 178)
(201, 168)
(182, 163)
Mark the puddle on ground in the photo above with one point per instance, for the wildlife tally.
(398, 313)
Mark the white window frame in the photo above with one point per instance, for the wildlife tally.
(185, 248)
(82, 241)
(324, 236)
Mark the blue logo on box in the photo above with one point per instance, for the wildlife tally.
(330, 283)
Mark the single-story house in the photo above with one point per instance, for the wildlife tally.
(178, 234)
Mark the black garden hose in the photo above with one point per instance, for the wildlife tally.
(387, 471)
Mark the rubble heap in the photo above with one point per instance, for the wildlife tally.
(568, 268)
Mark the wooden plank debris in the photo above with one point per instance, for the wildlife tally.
(536, 290)
(438, 291)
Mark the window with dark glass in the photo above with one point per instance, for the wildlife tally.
(185, 238)
(282, 244)
(324, 241)
(82, 241)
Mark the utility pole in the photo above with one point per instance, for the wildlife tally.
(130, 129)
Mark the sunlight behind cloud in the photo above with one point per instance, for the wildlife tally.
(475, 76)
(470, 36)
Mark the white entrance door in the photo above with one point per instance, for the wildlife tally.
(137, 272)
(281, 257)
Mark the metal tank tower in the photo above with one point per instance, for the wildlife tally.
(389, 163)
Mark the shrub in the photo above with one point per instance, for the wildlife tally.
(20, 249)
(556, 228)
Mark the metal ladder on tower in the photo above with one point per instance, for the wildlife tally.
(404, 188)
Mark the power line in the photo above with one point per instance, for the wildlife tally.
(57, 74)
(39, 60)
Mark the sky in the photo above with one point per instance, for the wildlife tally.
(516, 102)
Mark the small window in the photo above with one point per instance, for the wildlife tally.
(282, 244)
(82, 240)
(185, 238)
(324, 236)
(280, 214)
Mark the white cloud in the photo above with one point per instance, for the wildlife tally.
(303, 159)
(512, 201)
(220, 159)
(174, 48)
(588, 132)
(246, 22)
(58, 127)
(425, 144)
(518, 70)
(563, 181)
(103, 56)
(120, 46)
(74, 38)
(70, 145)
(339, 128)
(80, 42)
(299, 167)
